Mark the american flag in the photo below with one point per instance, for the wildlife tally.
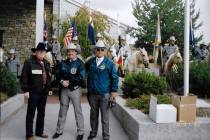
(45, 34)
(72, 31)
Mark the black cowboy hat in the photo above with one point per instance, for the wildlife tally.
(33, 50)
(41, 46)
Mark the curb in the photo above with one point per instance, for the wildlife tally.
(11, 106)
(139, 126)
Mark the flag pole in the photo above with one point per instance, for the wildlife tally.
(186, 47)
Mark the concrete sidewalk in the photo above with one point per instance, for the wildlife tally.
(14, 128)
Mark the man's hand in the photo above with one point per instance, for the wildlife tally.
(113, 95)
(26, 95)
(50, 93)
(65, 83)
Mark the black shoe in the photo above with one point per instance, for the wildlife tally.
(56, 135)
(80, 137)
(90, 137)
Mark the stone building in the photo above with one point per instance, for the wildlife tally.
(22, 22)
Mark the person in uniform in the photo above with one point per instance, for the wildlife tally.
(35, 82)
(76, 43)
(123, 51)
(102, 83)
(169, 49)
(72, 75)
(99, 37)
(13, 63)
(56, 49)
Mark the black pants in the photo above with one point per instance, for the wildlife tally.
(99, 102)
(36, 101)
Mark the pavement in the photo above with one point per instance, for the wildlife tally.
(14, 128)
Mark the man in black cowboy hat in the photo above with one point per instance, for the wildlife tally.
(35, 83)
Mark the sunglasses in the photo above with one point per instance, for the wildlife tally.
(100, 49)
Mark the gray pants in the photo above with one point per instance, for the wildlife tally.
(99, 102)
(66, 97)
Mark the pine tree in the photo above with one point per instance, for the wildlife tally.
(171, 21)
(195, 16)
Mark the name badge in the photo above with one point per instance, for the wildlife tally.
(36, 71)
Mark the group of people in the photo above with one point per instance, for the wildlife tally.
(102, 85)
(201, 52)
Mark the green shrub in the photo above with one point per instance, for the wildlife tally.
(200, 78)
(174, 79)
(9, 83)
(136, 84)
(142, 102)
(3, 97)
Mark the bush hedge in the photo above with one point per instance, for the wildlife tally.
(9, 84)
(199, 78)
(136, 84)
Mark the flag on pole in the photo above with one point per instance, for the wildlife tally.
(45, 33)
(74, 28)
(158, 34)
(72, 31)
(91, 35)
(119, 58)
(192, 37)
(157, 41)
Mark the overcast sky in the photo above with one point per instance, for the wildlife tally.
(123, 9)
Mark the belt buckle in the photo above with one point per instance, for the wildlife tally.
(76, 87)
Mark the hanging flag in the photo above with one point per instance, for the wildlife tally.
(74, 28)
(192, 37)
(157, 41)
(45, 33)
(70, 34)
(91, 35)
(158, 35)
(119, 57)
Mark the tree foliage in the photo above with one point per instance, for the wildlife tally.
(171, 14)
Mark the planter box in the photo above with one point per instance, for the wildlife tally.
(11, 106)
(139, 126)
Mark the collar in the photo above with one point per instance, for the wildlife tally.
(71, 60)
(99, 58)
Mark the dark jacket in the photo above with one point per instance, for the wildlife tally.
(102, 79)
(31, 78)
(73, 71)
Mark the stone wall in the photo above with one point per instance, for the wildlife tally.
(18, 21)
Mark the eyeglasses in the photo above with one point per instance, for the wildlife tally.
(100, 49)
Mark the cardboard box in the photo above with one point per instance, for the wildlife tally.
(162, 113)
(186, 108)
